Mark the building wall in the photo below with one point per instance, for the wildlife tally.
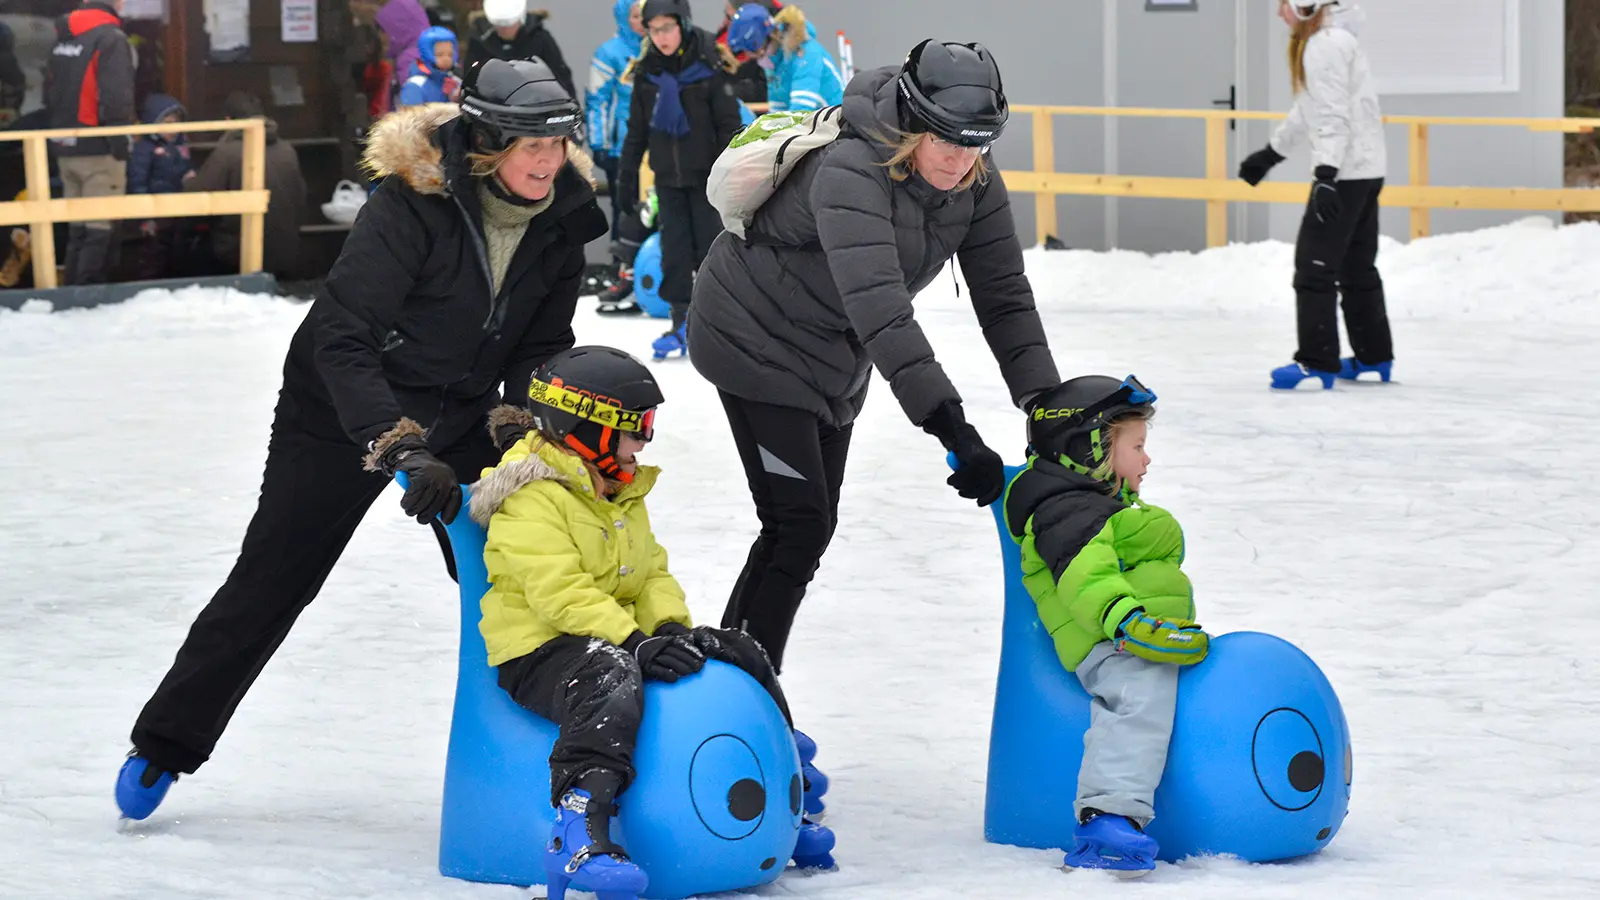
(1481, 157)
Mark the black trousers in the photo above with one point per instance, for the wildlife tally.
(795, 465)
(313, 496)
(1340, 258)
(594, 692)
(609, 164)
(688, 224)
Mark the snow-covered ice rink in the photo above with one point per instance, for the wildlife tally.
(1432, 544)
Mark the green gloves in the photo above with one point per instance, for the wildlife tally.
(1176, 641)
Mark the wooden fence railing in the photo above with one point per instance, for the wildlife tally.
(1219, 187)
(40, 213)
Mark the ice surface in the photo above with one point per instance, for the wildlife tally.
(1429, 543)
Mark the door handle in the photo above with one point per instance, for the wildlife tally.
(1231, 102)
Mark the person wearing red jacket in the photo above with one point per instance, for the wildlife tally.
(89, 82)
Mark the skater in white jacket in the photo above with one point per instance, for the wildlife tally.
(1336, 107)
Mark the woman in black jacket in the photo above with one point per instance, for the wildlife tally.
(684, 112)
(789, 321)
(462, 272)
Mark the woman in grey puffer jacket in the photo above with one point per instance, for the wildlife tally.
(788, 322)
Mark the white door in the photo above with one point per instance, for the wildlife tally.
(1170, 54)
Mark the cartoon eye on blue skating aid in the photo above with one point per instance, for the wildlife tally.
(714, 807)
(1258, 767)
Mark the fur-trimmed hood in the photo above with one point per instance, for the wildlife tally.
(408, 143)
(533, 459)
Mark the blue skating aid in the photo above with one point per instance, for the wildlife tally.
(673, 343)
(1259, 764)
(1351, 368)
(1111, 842)
(716, 803)
(647, 279)
(1287, 378)
(140, 788)
(816, 783)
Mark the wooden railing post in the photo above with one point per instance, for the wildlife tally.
(1217, 168)
(41, 234)
(252, 225)
(1044, 160)
(1421, 217)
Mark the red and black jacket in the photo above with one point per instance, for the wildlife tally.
(90, 80)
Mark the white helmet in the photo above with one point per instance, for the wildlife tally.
(1303, 9)
(505, 13)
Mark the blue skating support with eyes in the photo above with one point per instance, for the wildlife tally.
(1259, 765)
(715, 807)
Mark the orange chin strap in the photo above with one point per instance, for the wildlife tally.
(604, 457)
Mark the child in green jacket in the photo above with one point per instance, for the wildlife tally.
(1105, 570)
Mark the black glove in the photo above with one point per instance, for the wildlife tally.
(665, 656)
(434, 490)
(1325, 200)
(1256, 166)
(980, 475)
(627, 191)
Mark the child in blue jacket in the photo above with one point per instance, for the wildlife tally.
(433, 79)
(801, 74)
(159, 164)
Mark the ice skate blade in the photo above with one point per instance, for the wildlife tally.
(1119, 874)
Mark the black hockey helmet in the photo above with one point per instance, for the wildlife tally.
(1068, 422)
(676, 8)
(953, 91)
(514, 99)
(587, 396)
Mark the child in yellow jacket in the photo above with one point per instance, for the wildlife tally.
(582, 608)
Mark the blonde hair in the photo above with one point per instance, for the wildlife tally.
(1104, 471)
(792, 24)
(902, 164)
(1299, 36)
(603, 486)
(486, 164)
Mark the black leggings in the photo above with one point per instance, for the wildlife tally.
(1341, 258)
(688, 223)
(795, 465)
(594, 692)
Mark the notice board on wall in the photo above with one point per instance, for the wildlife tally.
(1443, 46)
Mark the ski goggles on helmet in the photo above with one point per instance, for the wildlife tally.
(589, 407)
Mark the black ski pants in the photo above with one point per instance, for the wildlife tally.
(594, 692)
(688, 224)
(313, 496)
(795, 465)
(1341, 258)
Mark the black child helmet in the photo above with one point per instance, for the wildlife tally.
(514, 99)
(586, 397)
(676, 8)
(1069, 421)
(954, 91)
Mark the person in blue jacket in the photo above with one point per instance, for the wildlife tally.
(801, 74)
(607, 100)
(159, 164)
(433, 78)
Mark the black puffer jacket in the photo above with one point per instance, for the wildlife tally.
(89, 81)
(713, 113)
(533, 40)
(406, 324)
(797, 315)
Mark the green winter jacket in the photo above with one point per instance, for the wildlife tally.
(1089, 557)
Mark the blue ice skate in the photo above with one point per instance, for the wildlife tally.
(579, 858)
(1287, 378)
(1351, 368)
(814, 849)
(141, 786)
(673, 342)
(816, 783)
(1112, 843)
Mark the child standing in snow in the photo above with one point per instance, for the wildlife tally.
(433, 79)
(581, 608)
(1105, 570)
